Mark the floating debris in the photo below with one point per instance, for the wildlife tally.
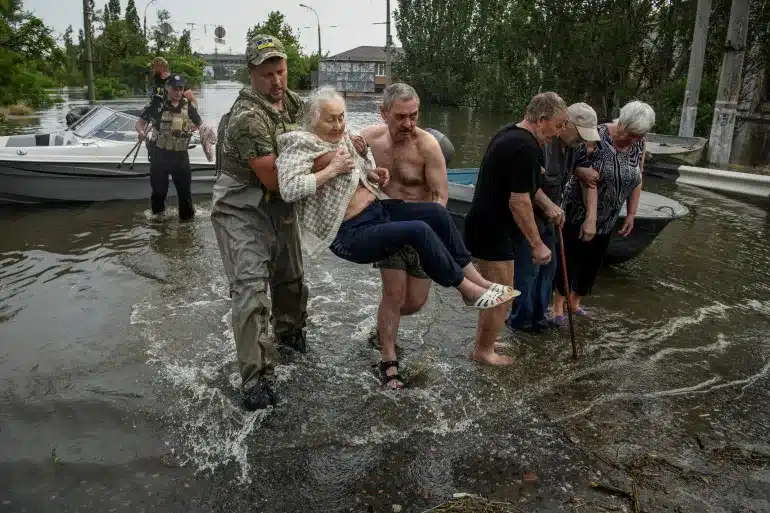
(467, 503)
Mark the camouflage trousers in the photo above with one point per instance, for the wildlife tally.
(258, 240)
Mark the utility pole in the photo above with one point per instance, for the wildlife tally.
(89, 57)
(145, 16)
(726, 106)
(695, 71)
(319, 28)
(388, 48)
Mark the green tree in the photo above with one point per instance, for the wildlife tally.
(72, 74)
(299, 65)
(495, 54)
(29, 56)
(114, 9)
(132, 17)
(275, 25)
(183, 46)
(162, 42)
(121, 54)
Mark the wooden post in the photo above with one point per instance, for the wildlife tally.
(695, 71)
(726, 106)
(89, 58)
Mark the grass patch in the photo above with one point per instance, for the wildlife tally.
(20, 109)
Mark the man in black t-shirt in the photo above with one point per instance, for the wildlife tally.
(502, 208)
(536, 281)
(173, 125)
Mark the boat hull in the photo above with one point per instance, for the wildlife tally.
(671, 149)
(654, 213)
(31, 183)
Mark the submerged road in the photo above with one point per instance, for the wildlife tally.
(120, 394)
(118, 390)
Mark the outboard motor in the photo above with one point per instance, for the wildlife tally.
(76, 113)
(447, 148)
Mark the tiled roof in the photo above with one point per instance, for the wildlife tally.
(364, 54)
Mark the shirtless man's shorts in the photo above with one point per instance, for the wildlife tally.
(417, 173)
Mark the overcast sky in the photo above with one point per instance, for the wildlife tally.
(353, 18)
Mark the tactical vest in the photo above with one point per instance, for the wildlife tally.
(240, 169)
(175, 129)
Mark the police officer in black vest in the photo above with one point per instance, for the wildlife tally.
(173, 120)
(157, 94)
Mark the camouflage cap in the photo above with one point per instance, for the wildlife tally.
(262, 47)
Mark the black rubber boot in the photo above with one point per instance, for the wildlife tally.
(258, 396)
(296, 341)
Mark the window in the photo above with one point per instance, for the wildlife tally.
(104, 123)
(90, 121)
(380, 69)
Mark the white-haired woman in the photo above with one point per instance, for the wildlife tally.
(342, 207)
(591, 213)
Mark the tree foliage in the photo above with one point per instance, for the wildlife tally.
(122, 55)
(162, 42)
(300, 66)
(132, 18)
(29, 56)
(496, 54)
(183, 46)
(31, 61)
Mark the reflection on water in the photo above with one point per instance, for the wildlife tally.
(116, 351)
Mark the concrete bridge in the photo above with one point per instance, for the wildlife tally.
(222, 66)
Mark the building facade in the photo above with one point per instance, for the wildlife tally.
(360, 70)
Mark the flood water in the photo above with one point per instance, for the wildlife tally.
(118, 388)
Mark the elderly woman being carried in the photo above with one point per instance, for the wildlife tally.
(342, 207)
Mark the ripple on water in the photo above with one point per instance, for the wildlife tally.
(198, 363)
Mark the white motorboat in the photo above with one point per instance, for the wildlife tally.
(83, 163)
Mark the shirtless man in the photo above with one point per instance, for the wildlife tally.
(417, 173)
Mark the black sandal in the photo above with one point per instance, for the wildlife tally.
(385, 379)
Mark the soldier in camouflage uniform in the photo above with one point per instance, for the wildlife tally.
(256, 230)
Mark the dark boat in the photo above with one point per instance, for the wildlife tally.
(652, 215)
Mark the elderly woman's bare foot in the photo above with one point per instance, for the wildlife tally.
(491, 358)
(473, 275)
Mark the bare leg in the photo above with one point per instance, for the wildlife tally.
(574, 301)
(389, 316)
(558, 304)
(491, 321)
(417, 290)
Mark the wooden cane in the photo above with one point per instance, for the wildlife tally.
(567, 292)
